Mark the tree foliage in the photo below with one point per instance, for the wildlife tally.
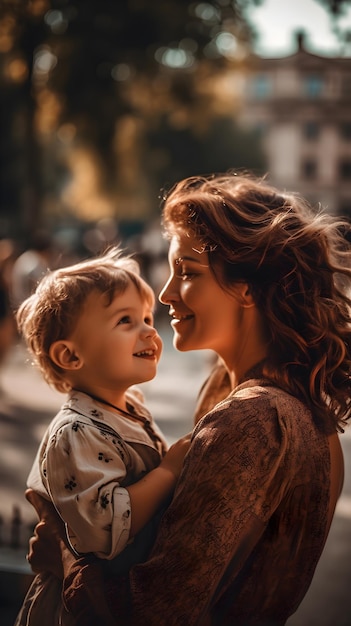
(124, 81)
(337, 9)
(85, 66)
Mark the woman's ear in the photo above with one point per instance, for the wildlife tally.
(244, 294)
(62, 353)
(248, 297)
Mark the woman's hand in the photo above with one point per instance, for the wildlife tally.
(45, 547)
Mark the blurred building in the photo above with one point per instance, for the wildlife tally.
(300, 106)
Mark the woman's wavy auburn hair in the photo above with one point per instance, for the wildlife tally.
(297, 262)
(52, 312)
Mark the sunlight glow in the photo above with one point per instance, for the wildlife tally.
(227, 44)
(44, 60)
(175, 58)
(276, 21)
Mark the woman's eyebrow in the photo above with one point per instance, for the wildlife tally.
(189, 258)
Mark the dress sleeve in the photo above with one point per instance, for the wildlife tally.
(83, 469)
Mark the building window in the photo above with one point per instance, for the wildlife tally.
(345, 169)
(345, 131)
(313, 86)
(309, 169)
(311, 130)
(261, 87)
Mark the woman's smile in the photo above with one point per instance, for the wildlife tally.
(178, 317)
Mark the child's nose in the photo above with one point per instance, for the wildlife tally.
(149, 330)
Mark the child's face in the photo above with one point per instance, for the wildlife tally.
(117, 344)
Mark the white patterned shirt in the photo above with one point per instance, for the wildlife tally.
(87, 458)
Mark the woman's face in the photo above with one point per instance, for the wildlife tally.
(204, 315)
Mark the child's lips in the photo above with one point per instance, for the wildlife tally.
(146, 354)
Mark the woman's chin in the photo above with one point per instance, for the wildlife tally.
(179, 343)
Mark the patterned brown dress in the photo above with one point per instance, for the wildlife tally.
(240, 542)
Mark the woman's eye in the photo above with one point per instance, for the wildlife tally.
(186, 275)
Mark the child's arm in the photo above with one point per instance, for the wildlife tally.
(83, 469)
(149, 493)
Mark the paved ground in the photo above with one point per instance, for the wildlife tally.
(26, 406)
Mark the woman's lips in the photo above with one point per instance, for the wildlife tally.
(178, 319)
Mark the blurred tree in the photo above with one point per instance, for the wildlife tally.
(19, 153)
(88, 76)
(104, 100)
(219, 146)
(337, 9)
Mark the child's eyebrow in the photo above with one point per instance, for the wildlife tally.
(115, 311)
(121, 311)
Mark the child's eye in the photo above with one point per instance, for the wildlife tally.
(124, 320)
(149, 320)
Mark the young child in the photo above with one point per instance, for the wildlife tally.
(103, 461)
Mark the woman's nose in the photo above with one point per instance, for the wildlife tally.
(168, 293)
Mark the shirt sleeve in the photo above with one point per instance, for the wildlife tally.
(83, 469)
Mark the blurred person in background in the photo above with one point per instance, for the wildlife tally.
(31, 266)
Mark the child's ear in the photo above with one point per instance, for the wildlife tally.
(62, 353)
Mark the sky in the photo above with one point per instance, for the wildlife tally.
(276, 21)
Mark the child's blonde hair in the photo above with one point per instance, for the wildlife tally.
(52, 311)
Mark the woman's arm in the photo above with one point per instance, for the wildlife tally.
(47, 548)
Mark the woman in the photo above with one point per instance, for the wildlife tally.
(263, 281)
